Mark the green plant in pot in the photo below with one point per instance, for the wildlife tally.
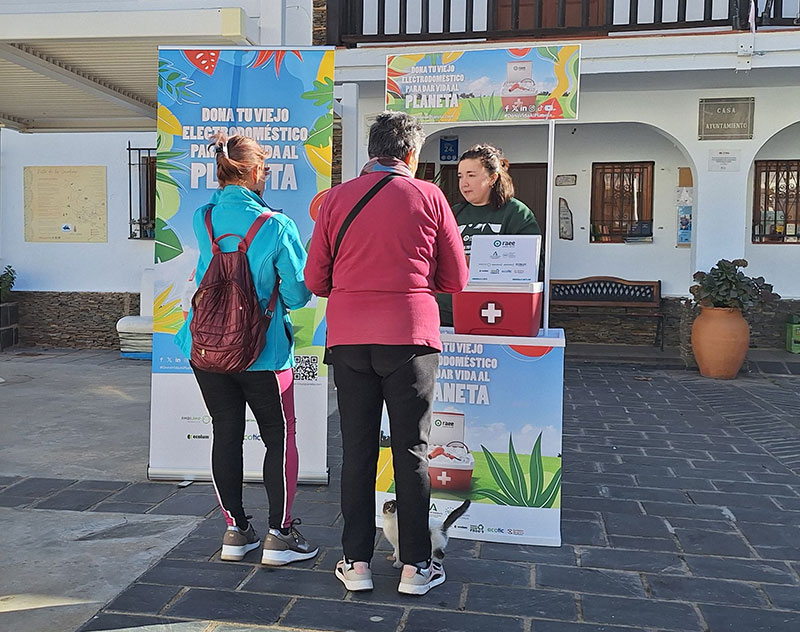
(7, 278)
(720, 334)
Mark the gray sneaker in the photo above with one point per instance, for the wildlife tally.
(282, 549)
(418, 581)
(236, 543)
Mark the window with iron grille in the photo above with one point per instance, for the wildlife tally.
(142, 192)
(622, 202)
(776, 202)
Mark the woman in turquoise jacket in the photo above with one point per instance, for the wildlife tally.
(266, 386)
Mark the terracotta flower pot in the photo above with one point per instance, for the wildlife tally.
(720, 338)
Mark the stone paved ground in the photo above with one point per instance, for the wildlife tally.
(681, 512)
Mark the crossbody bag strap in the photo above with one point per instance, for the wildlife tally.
(357, 209)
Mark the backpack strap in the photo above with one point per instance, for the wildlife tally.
(251, 234)
(357, 209)
(244, 242)
(273, 301)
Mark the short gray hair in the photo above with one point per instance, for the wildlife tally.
(394, 134)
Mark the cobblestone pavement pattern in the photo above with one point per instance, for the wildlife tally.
(681, 511)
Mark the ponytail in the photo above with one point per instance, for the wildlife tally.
(236, 156)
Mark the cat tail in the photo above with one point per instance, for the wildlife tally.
(455, 515)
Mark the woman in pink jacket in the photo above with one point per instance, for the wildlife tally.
(381, 273)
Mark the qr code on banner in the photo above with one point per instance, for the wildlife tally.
(306, 368)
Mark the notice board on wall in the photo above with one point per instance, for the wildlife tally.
(65, 204)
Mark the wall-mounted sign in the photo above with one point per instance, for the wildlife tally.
(724, 159)
(726, 119)
(684, 198)
(65, 204)
(567, 180)
(564, 219)
(487, 85)
(448, 148)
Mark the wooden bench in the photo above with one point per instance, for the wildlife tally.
(599, 294)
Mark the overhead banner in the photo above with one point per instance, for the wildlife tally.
(486, 85)
(493, 442)
(284, 100)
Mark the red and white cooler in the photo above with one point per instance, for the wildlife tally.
(495, 310)
(451, 466)
(450, 462)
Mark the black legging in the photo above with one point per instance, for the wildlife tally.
(270, 395)
(403, 376)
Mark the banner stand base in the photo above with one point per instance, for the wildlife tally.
(167, 474)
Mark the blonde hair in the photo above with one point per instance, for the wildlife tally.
(236, 156)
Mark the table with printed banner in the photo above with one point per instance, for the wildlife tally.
(283, 99)
(498, 405)
(495, 438)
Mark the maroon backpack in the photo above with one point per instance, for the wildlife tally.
(228, 327)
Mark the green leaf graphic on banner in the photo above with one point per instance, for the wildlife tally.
(511, 488)
(550, 53)
(168, 246)
(517, 477)
(536, 470)
(320, 134)
(486, 108)
(571, 100)
(493, 495)
(502, 479)
(175, 83)
(322, 94)
(548, 497)
(168, 198)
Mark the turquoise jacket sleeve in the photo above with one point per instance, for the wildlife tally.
(290, 261)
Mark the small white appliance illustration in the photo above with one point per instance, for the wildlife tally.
(519, 88)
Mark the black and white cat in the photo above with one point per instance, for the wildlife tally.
(438, 530)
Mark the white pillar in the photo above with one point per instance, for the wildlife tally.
(721, 218)
(550, 222)
(347, 107)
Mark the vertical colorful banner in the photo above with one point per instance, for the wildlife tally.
(486, 85)
(684, 200)
(284, 100)
(493, 442)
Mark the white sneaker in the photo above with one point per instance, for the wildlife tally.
(355, 576)
(418, 581)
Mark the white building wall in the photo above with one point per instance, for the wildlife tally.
(115, 266)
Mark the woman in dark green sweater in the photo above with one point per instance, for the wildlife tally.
(490, 208)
